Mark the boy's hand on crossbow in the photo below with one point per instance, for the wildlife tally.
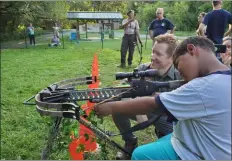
(103, 109)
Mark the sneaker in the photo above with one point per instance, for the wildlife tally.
(159, 134)
(122, 156)
(130, 148)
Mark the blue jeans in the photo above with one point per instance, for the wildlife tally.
(159, 150)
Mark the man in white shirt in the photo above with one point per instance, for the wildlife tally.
(131, 33)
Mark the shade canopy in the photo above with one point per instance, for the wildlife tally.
(83, 15)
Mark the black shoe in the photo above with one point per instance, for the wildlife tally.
(121, 66)
(130, 147)
(159, 134)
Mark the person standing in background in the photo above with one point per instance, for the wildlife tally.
(31, 33)
(226, 57)
(56, 30)
(216, 22)
(200, 20)
(131, 33)
(160, 25)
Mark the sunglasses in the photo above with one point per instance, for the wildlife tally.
(159, 13)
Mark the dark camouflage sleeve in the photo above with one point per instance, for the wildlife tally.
(143, 67)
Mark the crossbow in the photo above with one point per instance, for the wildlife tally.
(61, 99)
(139, 48)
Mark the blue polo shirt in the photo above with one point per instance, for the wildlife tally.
(216, 22)
(160, 26)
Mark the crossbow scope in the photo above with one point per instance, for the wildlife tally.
(136, 74)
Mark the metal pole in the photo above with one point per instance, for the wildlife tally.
(102, 33)
(86, 33)
(146, 38)
(62, 37)
(25, 35)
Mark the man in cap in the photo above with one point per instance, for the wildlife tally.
(131, 33)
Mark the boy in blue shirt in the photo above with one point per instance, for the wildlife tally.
(201, 108)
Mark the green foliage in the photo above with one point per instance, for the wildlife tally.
(94, 119)
(176, 15)
(182, 13)
(20, 34)
(21, 28)
(44, 13)
(80, 148)
(227, 5)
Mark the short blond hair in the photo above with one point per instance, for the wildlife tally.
(170, 40)
(160, 9)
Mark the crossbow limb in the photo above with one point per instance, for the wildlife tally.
(68, 84)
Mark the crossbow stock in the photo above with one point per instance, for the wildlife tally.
(61, 99)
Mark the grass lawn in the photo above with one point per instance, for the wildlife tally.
(24, 72)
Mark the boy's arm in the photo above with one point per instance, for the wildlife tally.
(132, 107)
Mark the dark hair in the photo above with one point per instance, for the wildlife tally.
(215, 3)
(130, 12)
(199, 41)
